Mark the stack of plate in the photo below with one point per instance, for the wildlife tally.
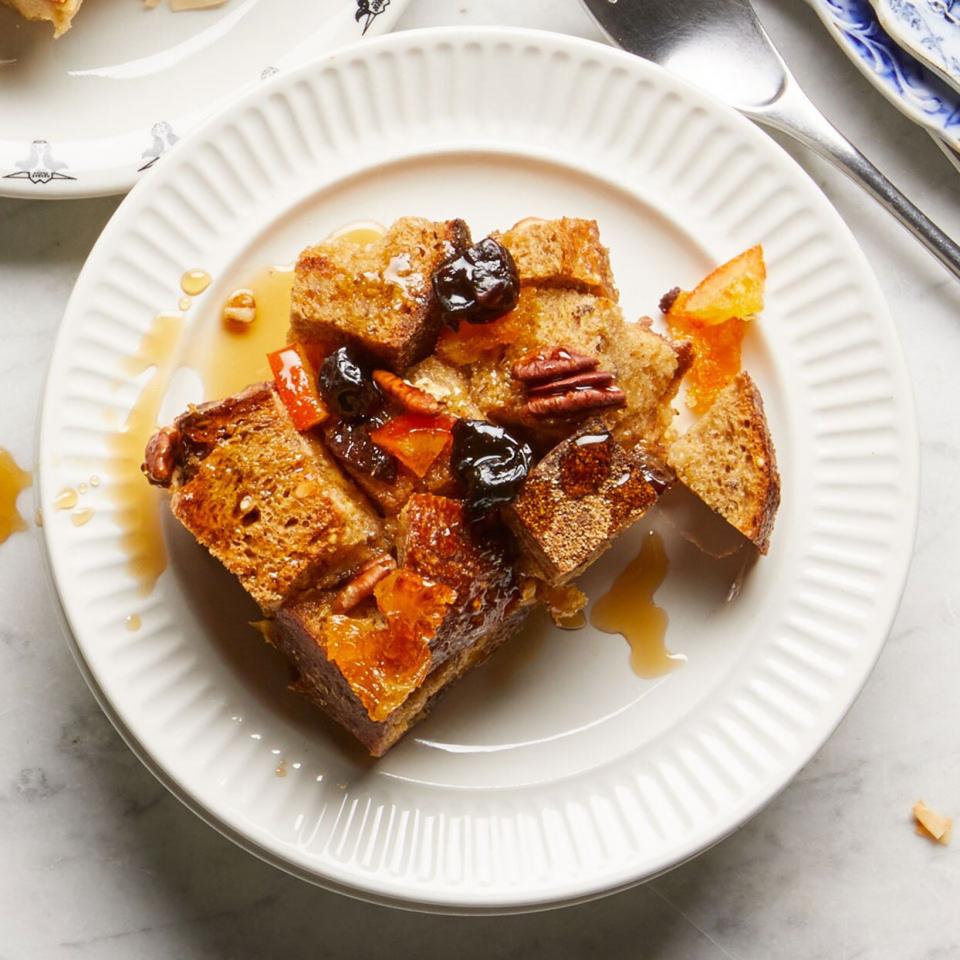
(910, 51)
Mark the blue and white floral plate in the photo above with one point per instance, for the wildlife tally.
(88, 114)
(928, 29)
(915, 91)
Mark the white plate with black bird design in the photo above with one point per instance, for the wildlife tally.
(89, 113)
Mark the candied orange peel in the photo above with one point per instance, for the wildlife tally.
(415, 439)
(713, 318)
(385, 661)
(477, 341)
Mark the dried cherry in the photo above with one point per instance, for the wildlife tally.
(477, 285)
(489, 463)
(351, 444)
(346, 384)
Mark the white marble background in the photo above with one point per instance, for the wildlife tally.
(97, 861)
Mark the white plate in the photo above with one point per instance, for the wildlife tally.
(551, 774)
(89, 113)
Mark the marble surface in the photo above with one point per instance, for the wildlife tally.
(98, 861)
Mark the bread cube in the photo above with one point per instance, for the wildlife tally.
(377, 296)
(561, 253)
(266, 500)
(579, 498)
(727, 459)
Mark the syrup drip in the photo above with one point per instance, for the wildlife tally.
(132, 623)
(66, 499)
(13, 481)
(194, 282)
(82, 516)
(628, 609)
(137, 510)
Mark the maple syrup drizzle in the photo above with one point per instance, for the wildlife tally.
(135, 500)
(13, 481)
(194, 282)
(66, 499)
(628, 609)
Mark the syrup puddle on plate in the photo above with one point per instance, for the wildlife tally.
(134, 499)
(227, 356)
(628, 609)
(231, 356)
(13, 481)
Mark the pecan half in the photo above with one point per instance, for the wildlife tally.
(409, 397)
(558, 363)
(363, 582)
(579, 381)
(576, 402)
(161, 456)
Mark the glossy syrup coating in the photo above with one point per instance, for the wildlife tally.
(347, 384)
(351, 443)
(490, 464)
(479, 285)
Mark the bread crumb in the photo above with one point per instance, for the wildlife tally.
(932, 824)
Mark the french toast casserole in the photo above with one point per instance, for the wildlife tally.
(454, 433)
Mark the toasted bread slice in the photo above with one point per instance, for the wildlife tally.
(579, 498)
(648, 367)
(378, 296)
(298, 633)
(437, 544)
(268, 502)
(727, 459)
(561, 253)
(59, 12)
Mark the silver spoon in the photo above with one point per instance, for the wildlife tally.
(721, 46)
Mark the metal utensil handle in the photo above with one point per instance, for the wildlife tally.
(794, 114)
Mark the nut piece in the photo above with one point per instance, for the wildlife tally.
(579, 381)
(361, 586)
(576, 401)
(241, 308)
(554, 365)
(409, 397)
(161, 455)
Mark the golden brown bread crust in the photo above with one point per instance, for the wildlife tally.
(561, 253)
(727, 458)
(267, 501)
(578, 499)
(377, 296)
